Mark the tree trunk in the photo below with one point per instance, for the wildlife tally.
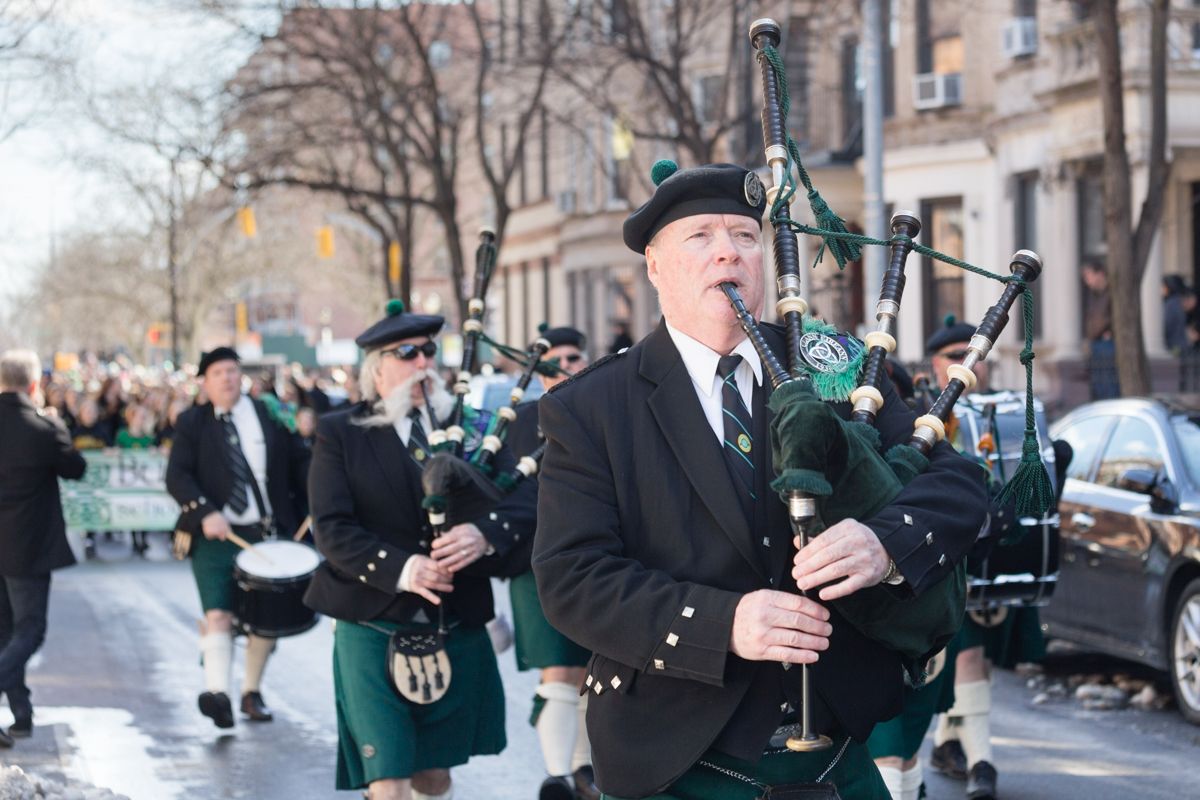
(1123, 279)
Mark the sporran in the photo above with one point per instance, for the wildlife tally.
(418, 665)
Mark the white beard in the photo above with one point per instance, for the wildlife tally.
(399, 403)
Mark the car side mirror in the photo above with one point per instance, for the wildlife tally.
(1164, 498)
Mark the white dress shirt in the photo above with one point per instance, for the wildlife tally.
(701, 362)
(404, 426)
(254, 447)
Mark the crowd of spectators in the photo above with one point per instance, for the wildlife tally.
(108, 404)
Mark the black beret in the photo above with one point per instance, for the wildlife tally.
(951, 332)
(711, 189)
(215, 355)
(399, 324)
(557, 337)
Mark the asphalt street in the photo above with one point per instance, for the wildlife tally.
(116, 682)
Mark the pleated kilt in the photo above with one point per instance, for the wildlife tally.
(854, 775)
(382, 735)
(538, 643)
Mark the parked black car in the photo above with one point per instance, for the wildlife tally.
(1129, 583)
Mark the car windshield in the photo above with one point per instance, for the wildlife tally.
(1188, 431)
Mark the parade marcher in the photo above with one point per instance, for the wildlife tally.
(231, 469)
(385, 577)
(962, 739)
(37, 451)
(684, 583)
(558, 710)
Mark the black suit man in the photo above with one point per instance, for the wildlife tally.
(661, 552)
(35, 451)
(385, 573)
(231, 469)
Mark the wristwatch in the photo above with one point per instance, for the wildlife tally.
(893, 576)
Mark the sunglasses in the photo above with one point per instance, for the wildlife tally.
(574, 358)
(407, 352)
(954, 355)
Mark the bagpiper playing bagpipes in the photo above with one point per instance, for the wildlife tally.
(414, 517)
(662, 548)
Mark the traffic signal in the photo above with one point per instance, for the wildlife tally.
(394, 263)
(325, 241)
(245, 216)
(154, 334)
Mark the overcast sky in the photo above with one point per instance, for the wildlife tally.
(43, 192)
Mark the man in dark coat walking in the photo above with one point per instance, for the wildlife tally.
(35, 451)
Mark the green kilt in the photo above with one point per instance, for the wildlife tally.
(855, 775)
(902, 735)
(212, 566)
(538, 644)
(1015, 640)
(382, 735)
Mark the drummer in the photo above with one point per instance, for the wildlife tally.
(1007, 636)
(231, 470)
(383, 576)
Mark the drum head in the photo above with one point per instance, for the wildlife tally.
(278, 560)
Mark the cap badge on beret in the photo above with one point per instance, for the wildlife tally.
(753, 189)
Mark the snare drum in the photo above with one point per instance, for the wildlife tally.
(992, 427)
(271, 578)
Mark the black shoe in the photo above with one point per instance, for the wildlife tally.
(981, 782)
(254, 707)
(22, 728)
(585, 783)
(216, 706)
(6, 740)
(949, 759)
(556, 787)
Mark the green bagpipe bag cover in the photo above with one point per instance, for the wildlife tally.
(838, 462)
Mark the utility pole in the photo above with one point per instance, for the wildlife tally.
(172, 263)
(873, 257)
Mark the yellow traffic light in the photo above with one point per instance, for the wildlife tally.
(394, 263)
(246, 221)
(325, 241)
(241, 318)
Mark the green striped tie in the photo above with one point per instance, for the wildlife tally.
(739, 444)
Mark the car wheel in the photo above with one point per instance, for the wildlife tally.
(1185, 652)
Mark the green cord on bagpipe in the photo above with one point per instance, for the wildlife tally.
(1030, 487)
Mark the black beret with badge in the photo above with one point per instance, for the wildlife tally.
(951, 332)
(215, 355)
(563, 336)
(710, 189)
(398, 324)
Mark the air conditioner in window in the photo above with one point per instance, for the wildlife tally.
(934, 90)
(1020, 37)
(565, 200)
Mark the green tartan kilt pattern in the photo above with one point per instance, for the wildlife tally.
(538, 643)
(212, 566)
(854, 775)
(382, 735)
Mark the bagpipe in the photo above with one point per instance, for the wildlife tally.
(827, 468)
(463, 479)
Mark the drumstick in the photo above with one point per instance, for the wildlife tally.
(242, 543)
(303, 529)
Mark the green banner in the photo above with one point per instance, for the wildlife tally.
(122, 490)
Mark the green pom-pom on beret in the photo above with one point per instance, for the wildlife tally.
(394, 307)
(663, 169)
(543, 327)
(949, 320)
